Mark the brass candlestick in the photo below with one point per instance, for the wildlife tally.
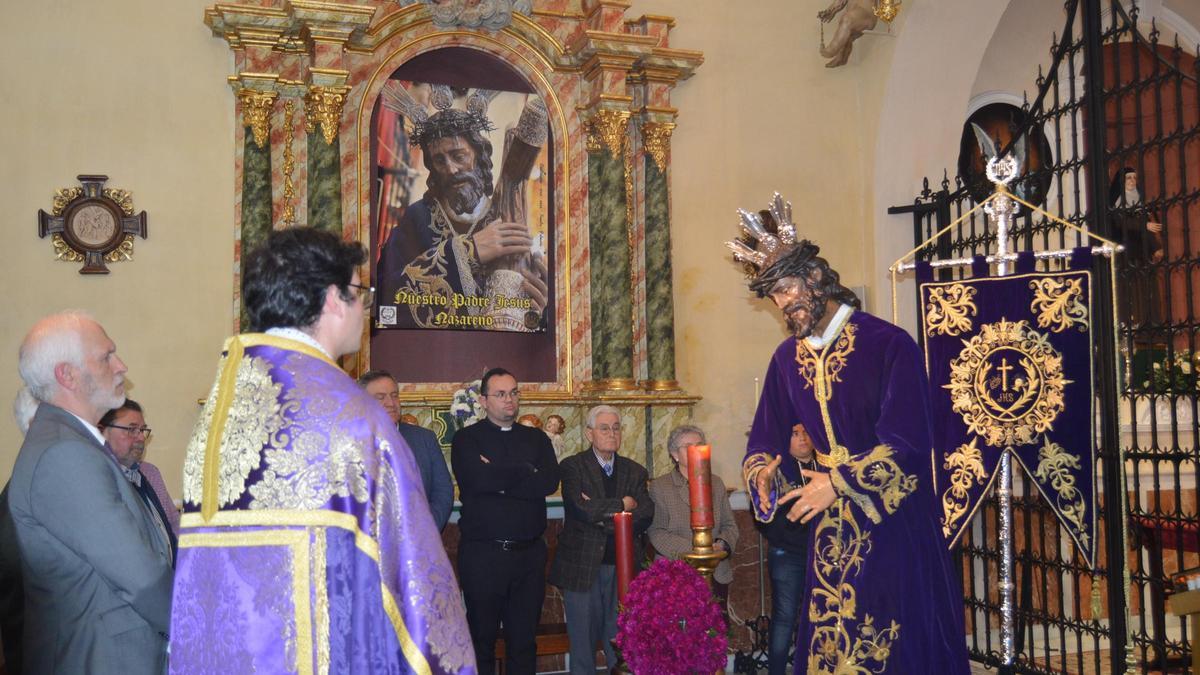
(703, 556)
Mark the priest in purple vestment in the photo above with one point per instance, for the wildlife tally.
(881, 593)
(306, 544)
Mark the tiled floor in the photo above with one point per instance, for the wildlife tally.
(1089, 668)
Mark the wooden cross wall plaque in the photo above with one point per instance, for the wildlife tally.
(92, 224)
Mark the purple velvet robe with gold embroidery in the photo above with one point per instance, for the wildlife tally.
(881, 594)
(307, 545)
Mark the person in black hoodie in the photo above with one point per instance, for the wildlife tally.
(787, 560)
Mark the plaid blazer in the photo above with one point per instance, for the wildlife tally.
(671, 531)
(588, 522)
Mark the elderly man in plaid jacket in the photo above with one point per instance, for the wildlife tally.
(596, 483)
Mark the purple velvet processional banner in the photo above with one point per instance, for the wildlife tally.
(1010, 369)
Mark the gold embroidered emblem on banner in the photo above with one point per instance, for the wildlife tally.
(948, 310)
(1007, 383)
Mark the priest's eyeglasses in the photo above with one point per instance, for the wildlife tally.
(514, 395)
(132, 431)
(367, 293)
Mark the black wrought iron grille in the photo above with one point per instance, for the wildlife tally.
(1142, 116)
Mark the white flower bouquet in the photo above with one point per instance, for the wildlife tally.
(467, 405)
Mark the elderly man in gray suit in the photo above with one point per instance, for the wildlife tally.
(97, 570)
(596, 483)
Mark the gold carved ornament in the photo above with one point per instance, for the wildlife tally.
(289, 164)
(256, 109)
(323, 105)
(63, 197)
(63, 251)
(1007, 383)
(949, 309)
(630, 234)
(886, 10)
(1054, 467)
(966, 470)
(656, 138)
(606, 129)
(1058, 303)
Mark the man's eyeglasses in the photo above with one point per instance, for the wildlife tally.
(367, 293)
(604, 428)
(506, 395)
(132, 431)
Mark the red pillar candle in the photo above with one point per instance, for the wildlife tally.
(623, 535)
(700, 485)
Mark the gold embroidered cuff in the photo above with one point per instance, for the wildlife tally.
(750, 468)
(843, 488)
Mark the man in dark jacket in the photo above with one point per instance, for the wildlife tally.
(597, 483)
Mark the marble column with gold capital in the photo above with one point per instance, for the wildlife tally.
(609, 213)
(256, 98)
(660, 304)
(324, 100)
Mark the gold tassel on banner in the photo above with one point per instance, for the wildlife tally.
(1096, 609)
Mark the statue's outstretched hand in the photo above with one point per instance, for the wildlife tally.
(765, 478)
(812, 498)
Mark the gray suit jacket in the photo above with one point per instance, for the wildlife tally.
(435, 476)
(97, 574)
(587, 523)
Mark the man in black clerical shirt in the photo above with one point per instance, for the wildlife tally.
(504, 471)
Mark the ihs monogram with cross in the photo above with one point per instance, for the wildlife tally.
(92, 224)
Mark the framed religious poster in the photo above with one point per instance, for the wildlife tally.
(463, 227)
(462, 219)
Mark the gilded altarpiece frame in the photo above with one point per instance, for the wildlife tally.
(306, 79)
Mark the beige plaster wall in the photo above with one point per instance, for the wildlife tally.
(762, 114)
(136, 90)
(927, 90)
(159, 121)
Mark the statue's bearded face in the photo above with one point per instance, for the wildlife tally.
(802, 304)
(457, 178)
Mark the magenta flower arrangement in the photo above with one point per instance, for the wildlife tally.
(670, 624)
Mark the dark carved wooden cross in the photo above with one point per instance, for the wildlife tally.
(92, 225)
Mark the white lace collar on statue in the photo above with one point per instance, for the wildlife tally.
(831, 331)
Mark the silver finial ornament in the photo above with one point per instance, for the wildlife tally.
(1002, 170)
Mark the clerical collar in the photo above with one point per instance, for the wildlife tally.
(299, 336)
(607, 467)
(831, 331)
(507, 428)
